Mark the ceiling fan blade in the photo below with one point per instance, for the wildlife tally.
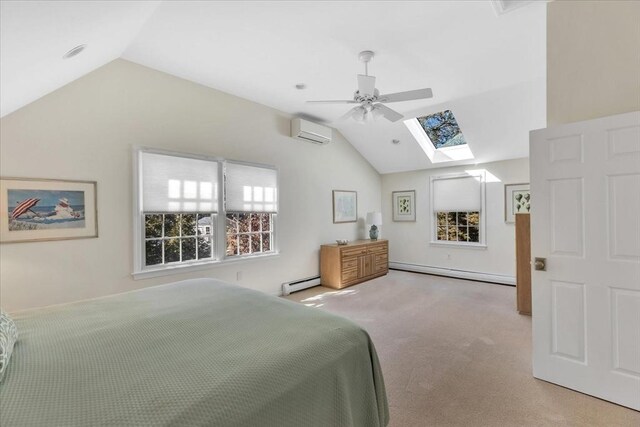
(337, 101)
(349, 114)
(366, 85)
(406, 96)
(388, 113)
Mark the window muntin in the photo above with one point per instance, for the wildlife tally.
(458, 226)
(249, 233)
(172, 238)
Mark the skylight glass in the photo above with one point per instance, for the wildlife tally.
(442, 129)
(440, 137)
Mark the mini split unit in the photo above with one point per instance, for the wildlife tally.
(309, 131)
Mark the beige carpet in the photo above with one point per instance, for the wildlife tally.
(456, 353)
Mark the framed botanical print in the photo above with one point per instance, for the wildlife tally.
(345, 206)
(517, 200)
(404, 205)
(47, 209)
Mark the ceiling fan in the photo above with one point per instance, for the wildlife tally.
(371, 102)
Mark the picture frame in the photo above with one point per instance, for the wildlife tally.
(404, 205)
(517, 200)
(345, 206)
(39, 209)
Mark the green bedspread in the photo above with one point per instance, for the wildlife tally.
(197, 352)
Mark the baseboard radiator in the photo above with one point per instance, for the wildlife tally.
(298, 285)
(450, 272)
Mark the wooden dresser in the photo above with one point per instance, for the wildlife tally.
(355, 262)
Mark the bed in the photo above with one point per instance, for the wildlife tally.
(196, 352)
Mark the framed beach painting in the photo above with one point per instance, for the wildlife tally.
(45, 209)
(517, 200)
(345, 206)
(404, 205)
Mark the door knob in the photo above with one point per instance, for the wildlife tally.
(540, 264)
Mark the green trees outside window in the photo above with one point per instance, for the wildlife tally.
(173, 238)
(458, 226)
(249, 233)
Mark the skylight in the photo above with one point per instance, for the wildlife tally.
(440, 137)
(442, 129)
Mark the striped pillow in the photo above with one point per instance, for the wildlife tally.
(8, 337)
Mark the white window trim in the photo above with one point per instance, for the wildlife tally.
(220, 259)
(199, 266)
(482, 244)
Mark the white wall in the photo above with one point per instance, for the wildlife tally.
(409, 241)
(86, 131)
(593, 59)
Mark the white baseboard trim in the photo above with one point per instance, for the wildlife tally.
(458, 274)
(298, 285)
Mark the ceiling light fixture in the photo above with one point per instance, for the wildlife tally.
(360, 114)
(366, 113)
(75, 51)
(395, 141)
(376, 112)
(370, 99)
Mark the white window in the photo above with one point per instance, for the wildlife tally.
(458, 207)
(188, 207)
(251, 202)
(177, 238)
(249, 233)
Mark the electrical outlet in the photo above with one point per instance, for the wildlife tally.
(448, 256)
(239, 276)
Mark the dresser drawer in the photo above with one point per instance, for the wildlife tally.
(349, 262)
(380, 268)
(379, 248)
(358, 250)
(349, 275)
(382, 259)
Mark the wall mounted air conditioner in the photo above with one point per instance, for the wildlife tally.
(309, 131)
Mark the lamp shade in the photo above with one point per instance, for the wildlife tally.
(374, 218)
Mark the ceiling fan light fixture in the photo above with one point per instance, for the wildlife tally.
(372, 103)
(369, 118)
(376, 113)
(360, 115)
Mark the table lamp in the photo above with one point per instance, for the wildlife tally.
(375, 219)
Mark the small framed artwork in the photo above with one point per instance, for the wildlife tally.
(404, 205)
(345, 206)
(517, 200)
(45, 209)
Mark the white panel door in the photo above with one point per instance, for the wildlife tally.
(585, 220)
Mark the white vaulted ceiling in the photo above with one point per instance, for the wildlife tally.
(489, 69)
(34, 35)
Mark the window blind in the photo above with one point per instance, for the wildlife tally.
(178, 184)
(457, 194)
(250, 188)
